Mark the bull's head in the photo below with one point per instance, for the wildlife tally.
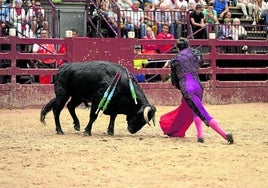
(137, 120)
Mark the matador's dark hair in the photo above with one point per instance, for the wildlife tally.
(182, 43)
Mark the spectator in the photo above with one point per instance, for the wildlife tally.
(197, 23)
(163, 16)
(264, 15)
(150, 48)
(18, 19)
(225, 31)
(244, 5)
(221, 7)
(181, 21)
(211, 20)
(165, 35)
(4, 15)
(149, 17)
(239, 32)
(181, 3)
(63, 48)
(192, 4)
(258, 7)
(36, 18)
(46, 63)
(228, 15)
(135, 19)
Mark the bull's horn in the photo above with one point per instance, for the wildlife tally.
(145, 114)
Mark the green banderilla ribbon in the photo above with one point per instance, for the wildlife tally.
(132, 90)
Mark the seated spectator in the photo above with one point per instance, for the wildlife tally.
(4, 15)
(264, 15)
(211, 20)
(225, 31)
(165, 35)
(63, 48)
(197, 23)
(258, 7)
(17, 18)
(228, 15)
(163, 16)
(135, 19)
(192, 4)
(46, 63)
(36, 18)
(181, 22)
(150, 48)
(221, 7)
(149, 17)
(244, 5)
(181, 3)
(239, 32)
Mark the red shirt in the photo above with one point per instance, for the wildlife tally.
(164, 48)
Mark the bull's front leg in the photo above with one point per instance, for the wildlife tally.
(110, 130)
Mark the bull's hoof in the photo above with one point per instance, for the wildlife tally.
(60, 132)
(86, 133)
(77, 128)
(110, 133)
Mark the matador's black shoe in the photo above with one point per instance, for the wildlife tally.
(230, 138)
(201, 140)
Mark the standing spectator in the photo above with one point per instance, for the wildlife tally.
(4, 15)
(165, 35)
(18, 19)
(211, 20)
(181, 21)
(197, 23)
(36, 18)
(221, 7)
(63, 48)
(46, 63)
(264, 15)
(135, 19)
(244, 5)
(163, 16)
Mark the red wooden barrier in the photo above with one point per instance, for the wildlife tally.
(16, 95)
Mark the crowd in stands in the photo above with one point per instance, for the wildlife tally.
(26, 16)
(204, 16)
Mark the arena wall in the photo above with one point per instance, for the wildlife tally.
(248, 83)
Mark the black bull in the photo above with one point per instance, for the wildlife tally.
(88, 81)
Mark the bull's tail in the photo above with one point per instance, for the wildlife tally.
(47, 108)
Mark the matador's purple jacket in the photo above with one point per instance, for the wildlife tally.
(185, 76)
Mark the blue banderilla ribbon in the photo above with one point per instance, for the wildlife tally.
(108, 93)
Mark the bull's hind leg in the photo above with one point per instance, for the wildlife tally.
(57, 108)
(71, 107)
(93, 116)
(110, 130)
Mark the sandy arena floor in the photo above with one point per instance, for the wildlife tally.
(32, 155)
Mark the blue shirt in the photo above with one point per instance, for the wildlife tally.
(4, 12)
(219, 6)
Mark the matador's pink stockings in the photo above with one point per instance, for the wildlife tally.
(216, 127)
(199, 127)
